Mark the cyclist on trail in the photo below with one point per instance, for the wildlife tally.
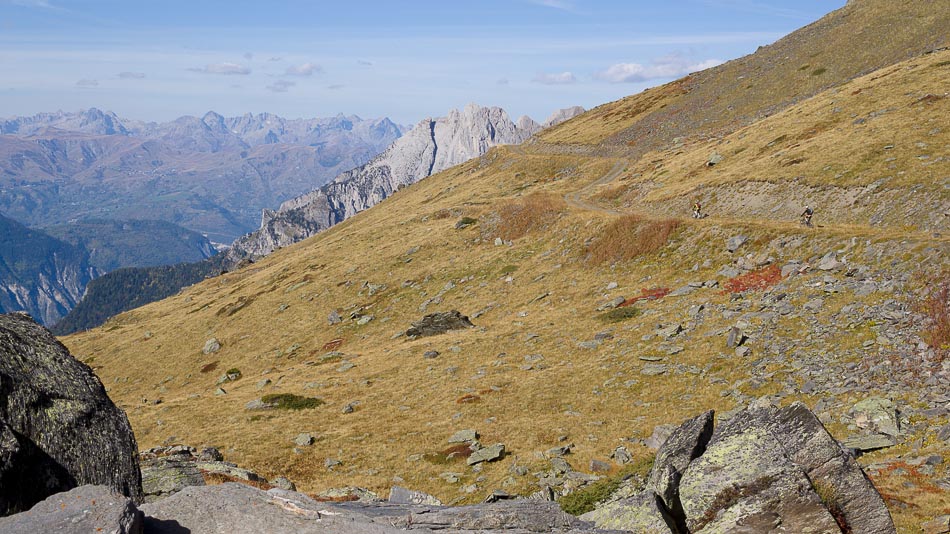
(806, 216)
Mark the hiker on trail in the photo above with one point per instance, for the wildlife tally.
(806, 216)
(697, 210)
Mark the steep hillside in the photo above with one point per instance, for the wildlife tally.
(862, 36)
(212, 175)
(115, 244)
(432, 146)
(39, 274)
(600, 311)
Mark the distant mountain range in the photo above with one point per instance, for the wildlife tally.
(211, 174)
(431, 146)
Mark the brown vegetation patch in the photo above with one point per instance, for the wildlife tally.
(231, 308)
(756, 280)
(468, 398)
(653, 293)
(333, 344)
(936, 307)
(629, 237)
(342, 498)
(207, 368)
(517, 218)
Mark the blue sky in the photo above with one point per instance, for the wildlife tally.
(407, 60)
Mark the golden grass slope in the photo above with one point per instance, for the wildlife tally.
(528, 375)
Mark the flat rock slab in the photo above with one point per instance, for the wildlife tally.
(83, 510)
(237, 508)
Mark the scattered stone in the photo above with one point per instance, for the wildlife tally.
(611, 286)
(937, 525)
(611, 304)
(735, 338)
(365, 319)
(464, 436)
(743, 351)
(304, 439)
(439, 323)
(399, 495)
(211, 346)
(330, 463)
(869, 442)
(714, 159)
(499, 242)
(210, 454)
(283, 483)
(430, 354)
(734, 242)
(220, 391)
(350, 407)
(262, 383)
(670, 331)
(654, 369)
(598, 466)
(164, 476)
(877, 414)
(621, 455)
(334, 318)
(487, 454)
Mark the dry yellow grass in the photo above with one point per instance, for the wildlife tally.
(535, 297)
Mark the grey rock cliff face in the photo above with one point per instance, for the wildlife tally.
(58, 428)
(432, 146)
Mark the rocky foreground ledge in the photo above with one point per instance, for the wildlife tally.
(68, 464)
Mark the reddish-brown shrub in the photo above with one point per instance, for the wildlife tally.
(517, 218)
(468, 398)
(629, 237)
(207, 368)
(333, 344)
(756, 280)
(936, 307)
(655, 293)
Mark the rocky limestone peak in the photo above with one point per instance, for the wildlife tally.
(562, 115)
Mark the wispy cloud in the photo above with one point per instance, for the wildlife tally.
(759, 8)
(335, 86)
(561, 78)
(223, 68)
(44, 4)
(86, 82)
(502, 81)
(563, 5)
(307, 69)
(281, 86)
(131, 75)
(248, 56)
(665, 67)
(364, 63)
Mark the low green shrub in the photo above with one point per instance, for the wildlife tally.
(289, 401)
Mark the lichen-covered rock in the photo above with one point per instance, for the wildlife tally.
(684, 445)
(58, 428)
(78, 511)
(643, 514)
(745, 478)
(400, 495)
(439, 323)
(168, 475)
(840, 482)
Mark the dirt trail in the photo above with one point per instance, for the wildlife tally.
(574, 198)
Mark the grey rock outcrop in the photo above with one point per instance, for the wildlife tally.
(78, 511)
(58, 428)
(562, 115)
(431, 146)
(767, 469)
(439, 323)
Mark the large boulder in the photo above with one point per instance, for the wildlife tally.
(766, 470)
(58, 428)
(439, 323)
(78, 511)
